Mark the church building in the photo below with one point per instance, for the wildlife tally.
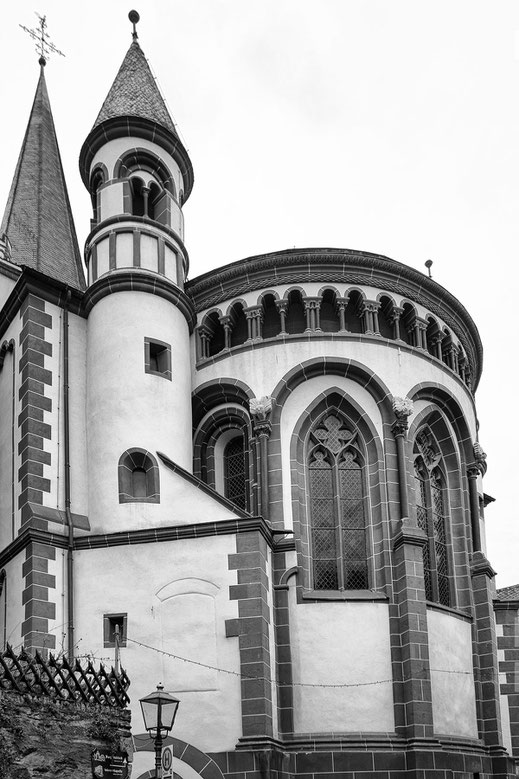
(261, 488)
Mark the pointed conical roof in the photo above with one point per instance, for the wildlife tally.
(134, 107)
(135, 93)
(38, 219)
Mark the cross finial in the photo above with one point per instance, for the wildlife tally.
(134, 17)
(44, 46)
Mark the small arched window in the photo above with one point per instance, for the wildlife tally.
(432, 518)
(137, 191)
(337, 506)
(138, 476)
(96, 183)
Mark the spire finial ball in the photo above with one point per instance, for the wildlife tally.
(134, 17)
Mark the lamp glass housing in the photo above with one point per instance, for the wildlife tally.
(159, 710)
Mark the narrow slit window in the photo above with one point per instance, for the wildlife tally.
(235, 472)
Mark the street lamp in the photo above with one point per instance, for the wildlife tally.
(158, 712)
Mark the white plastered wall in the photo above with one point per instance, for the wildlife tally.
(127, 407)
(341, 643)
(263, 368)
(452, 679)
(177, 581)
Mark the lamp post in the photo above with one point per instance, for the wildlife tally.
(158, 712)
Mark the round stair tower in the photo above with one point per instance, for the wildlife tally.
(139, 175)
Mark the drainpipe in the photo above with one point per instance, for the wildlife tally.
(68, 515)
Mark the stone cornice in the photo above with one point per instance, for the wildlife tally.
(36, 283)
(480, 565)
(132, 537)
(176, 533)
(506, 605)
(29, 536)
(409, 535)
(339, 266)
(139, 280)
(135, 126)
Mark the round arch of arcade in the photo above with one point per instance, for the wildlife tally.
(188, 761)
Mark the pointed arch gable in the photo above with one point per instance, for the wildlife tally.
(440, 397)
(339, 366)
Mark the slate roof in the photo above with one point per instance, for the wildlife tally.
(38, 218)
(134, 92)
(508, 593)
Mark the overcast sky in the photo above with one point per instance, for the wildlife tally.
(389, 126)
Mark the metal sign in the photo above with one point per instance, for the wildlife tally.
(167, 762)
(109, 765)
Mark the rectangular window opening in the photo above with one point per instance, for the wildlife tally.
(157, 358)
(114, 624)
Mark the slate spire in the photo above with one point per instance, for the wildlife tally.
(38, 219)
(134, 92)
(135, 108)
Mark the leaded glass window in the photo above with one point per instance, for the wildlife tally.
(235, 472)
(431, 517)
(337, 507)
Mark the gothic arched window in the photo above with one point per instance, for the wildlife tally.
(337, 507)
(432, 518)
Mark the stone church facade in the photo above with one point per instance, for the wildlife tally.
(265, 483)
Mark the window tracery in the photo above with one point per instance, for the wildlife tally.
(337, 506)
(432, 517)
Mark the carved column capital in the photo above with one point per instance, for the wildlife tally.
(403, 408)
(395, 314)
(311, 304)
(253, 312)
(281, 305)
(480, 458)
(370, 305)
(260, 411)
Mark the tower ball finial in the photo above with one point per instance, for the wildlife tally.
(428, 264)
(134, 17)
